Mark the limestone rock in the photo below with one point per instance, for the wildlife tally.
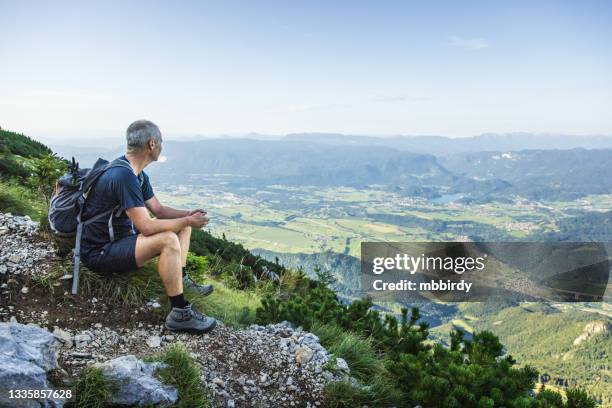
(81, 340)
(136, 384)
(154, 341)
(342, 365)
(26, 354)
(28, 343)
(63, 336)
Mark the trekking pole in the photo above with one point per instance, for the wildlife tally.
(77, 249)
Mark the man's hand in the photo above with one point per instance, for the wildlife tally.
(197, 219)
(197, 211)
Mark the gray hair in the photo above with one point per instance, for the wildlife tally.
(139, 133)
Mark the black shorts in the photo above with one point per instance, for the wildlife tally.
(115, 257)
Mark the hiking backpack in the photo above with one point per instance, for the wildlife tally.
(67, 203)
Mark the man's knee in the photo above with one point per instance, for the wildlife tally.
(169, 241)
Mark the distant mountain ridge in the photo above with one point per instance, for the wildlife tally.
(255, 162)
(360, 161)
(443, 145)
(435, 145)
(540, 173)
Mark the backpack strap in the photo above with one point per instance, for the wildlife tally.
(111, 232)
(118, 163)
(77, 258)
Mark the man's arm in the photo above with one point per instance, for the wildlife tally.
(164, 212)
(149, 226)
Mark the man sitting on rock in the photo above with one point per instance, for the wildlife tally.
(137, 236)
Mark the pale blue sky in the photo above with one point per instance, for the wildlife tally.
(453, 68)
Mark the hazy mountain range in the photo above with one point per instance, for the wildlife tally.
(441, 145)
(436, 145)
(535, 166)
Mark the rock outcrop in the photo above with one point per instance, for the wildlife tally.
(591, 330)
(27, 354)
(135, 384)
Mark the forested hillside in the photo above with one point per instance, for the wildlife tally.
(27, 169)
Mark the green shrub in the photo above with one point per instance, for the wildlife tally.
(577, 398)
(9, 167)
(549, 399)
(18, 199)
(197, 266)
(46, 170)
(222, 252)
(470, 374)
(10, 203)
(313, 302)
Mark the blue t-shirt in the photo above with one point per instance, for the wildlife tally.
(117, 186)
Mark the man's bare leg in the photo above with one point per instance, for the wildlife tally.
(166, 245)
(184, 237)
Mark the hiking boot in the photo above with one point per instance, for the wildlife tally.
(203, 290)
(188, 319)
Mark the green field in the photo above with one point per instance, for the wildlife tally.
(310, 220)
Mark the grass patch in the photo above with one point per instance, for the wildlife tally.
(132, 288)
(183, 373)
(289, 281)
(376, 390)
(17, 199)
(92, 390)
(358, 352)
(234, 307)
(52, 278)
(378, 393)
(328, 333)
